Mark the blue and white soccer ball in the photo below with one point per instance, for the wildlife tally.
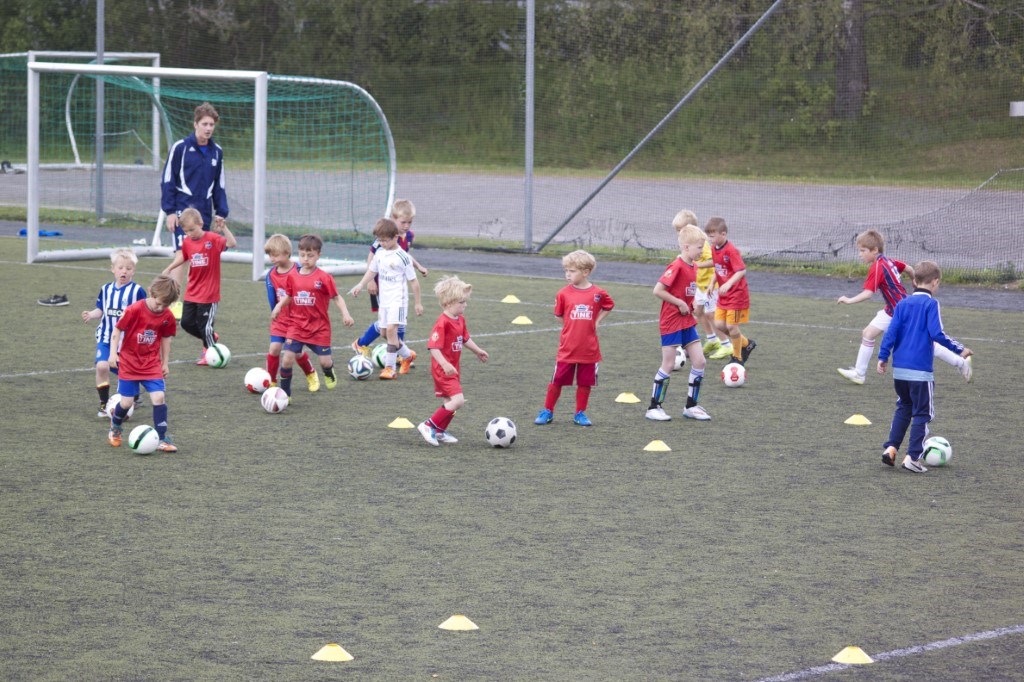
(360, 367)
(143, 440)
(500, 432)
(937, 452)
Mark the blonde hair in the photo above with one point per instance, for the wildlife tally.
(191, 216)
(716, 225)
(926, 272)
(277, 244)
(165, 289)
(691, 234)
(403, 208)
(123, 254)
(579, 259)
(684, 218)
(871, 240)
(452, 290)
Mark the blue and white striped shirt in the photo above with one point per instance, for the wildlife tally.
(112, 300)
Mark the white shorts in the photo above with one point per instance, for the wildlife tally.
(709, 301)
(392, 314)
(881, 321)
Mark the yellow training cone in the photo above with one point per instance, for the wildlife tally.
(511, 298)
(627, 398)
(657, 446)
(458, 622)
(522, 319)
(401, 423)
(332, 652)
(853, 655)
(858, 420)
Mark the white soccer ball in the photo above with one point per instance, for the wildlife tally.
(378, 353)
(114, 400)
(937, 451)
(274, 400)
(218, 355)
(143, 439)
(500, 432)
(360, 367)
(257, 380)
(734, 375)
(680, 359)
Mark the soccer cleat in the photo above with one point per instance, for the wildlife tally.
(658, 414)
(313, 382)
(544, 417)
(361, 350)
(114, 436)
(696, 412)
(722, 353)
(202, 360)
(889, 456)
(176, 309)
(912, 466)
(445, 437)
(102, 414)
(405, 363)
(428, 432)
(388, 373)
(711, 345)
(167, 446)
(54, 301)
(581, 419)
(852, 375)
(966, 370)
(747, 350)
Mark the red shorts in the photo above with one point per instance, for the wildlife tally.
(446, 387)
(586, 373)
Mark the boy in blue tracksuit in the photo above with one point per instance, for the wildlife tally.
(916, 324)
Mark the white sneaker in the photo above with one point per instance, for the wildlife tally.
(696, 412)
(445, 437)
(658, 414)
(911, 465)
(852, 374)
(102, 414)
(966, 370)
(428, 432)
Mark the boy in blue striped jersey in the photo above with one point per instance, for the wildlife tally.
(916, 326)
(113, 298)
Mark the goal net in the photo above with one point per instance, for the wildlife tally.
(301, 154)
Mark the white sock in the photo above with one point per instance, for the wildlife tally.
(404, 352)
(864, 356)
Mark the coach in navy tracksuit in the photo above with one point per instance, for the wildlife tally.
(194, 177)
(916, 325)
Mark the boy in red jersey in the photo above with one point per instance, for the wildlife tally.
(202, 250)
(279, 248)
(884, 277)
(446, 342)
(309, 293)
(733, 293)
(581, 306)
(678, 327)
(140, 350)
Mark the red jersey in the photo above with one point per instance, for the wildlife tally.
(579, 309)
(447, 336)
(203, 258)
(138, 353)
(728, 262)
(277, 284)
(884, 276)
(311, 306)
(680, 280)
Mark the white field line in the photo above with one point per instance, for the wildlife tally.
(899, 653)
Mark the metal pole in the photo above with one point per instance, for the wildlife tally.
(259, 175)
(528, 174)
(99, 111)
(668, 117)
(32, 216)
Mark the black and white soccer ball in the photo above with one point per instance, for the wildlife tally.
(500, 432)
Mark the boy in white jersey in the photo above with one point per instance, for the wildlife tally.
(111, 302)
(396, 273)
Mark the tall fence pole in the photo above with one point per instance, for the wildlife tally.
(528, 160)
(668, 117)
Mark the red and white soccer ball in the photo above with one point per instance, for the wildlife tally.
(734, 375)
(274, 400)
(114, 400)
(257, 380)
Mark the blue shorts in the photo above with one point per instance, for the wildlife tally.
(277, 339)
(130, 387)
(102, 352)
(683, 337)
(296, 347)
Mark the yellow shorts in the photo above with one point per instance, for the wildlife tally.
(733, 316)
